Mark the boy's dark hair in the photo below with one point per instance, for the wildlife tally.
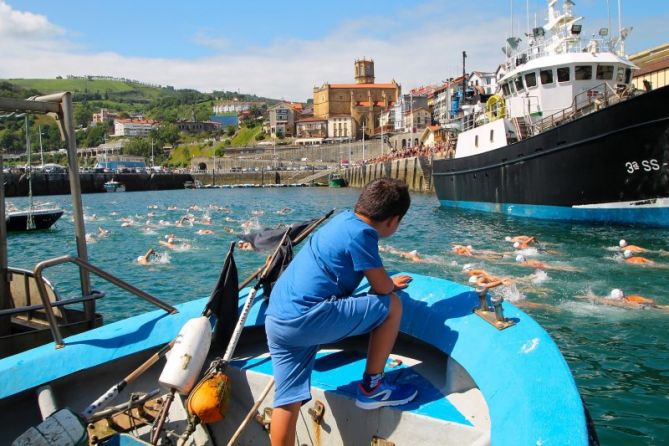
(384, 198)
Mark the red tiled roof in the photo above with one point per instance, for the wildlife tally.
(347, 86)
(311, 119)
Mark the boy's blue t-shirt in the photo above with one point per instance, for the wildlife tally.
(330, 264)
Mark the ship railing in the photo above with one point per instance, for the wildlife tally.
(584, 103)
(90, 268)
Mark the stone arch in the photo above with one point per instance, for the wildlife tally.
(201, 166)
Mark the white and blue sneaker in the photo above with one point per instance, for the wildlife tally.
(385, 394)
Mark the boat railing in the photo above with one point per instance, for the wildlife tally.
(24, 285)
(586, 102)
(88, 267)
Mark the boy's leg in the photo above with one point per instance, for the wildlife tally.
(382, 338)
(284, 424)
(374, 391)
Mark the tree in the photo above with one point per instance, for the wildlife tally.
(83, 114)
(138, 147)
(230, 130)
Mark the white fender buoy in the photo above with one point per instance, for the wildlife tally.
(186, 358)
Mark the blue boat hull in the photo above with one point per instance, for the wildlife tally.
(528, 388)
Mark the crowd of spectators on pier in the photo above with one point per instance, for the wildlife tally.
(439, 150)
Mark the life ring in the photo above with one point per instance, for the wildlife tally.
(495, 107)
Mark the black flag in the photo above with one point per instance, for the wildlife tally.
(224, 300)
(279, 263)
(267, 239)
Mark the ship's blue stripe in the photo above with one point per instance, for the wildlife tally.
(657, 216)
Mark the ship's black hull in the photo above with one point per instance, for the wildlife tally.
(611, 165)
(18, 221)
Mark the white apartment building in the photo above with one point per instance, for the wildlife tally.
(133, 127)
(340, 127)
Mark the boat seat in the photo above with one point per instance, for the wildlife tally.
(339, 371)
(24, 292)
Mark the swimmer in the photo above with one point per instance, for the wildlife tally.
(244, 245)
(146, 258)
(411, 255)
(632, 248)
(537, 264)
(637, 260)
(102, 232)
(205, 220)
(172, 208)
(205, 232)
(462, 250)
(184, 221)
(170, 242)
(617, 298)
(284, 211)
(152, 206)
(228, 229)
(522, 239)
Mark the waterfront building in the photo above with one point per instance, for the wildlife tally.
(484, 83)
(198, 126)
(417, 119)
(407, 103)
(103, 116)
(133, 127)
(282, 119)
(653, 67)
(311, 130)
(235, 106)
(364, 100)
(340, 127)
(120, 162)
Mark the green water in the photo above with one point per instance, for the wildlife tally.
(619, 357)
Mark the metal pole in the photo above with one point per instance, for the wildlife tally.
(67, 127)
(41, 150)
(5, 326)
(363, 142)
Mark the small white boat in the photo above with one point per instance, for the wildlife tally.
(114, 186)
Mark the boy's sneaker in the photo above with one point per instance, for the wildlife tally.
(385, 394)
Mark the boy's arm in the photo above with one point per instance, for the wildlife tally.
(381, 283)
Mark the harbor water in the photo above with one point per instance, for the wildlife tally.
(619, 357)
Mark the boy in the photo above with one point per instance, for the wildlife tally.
(311, 304)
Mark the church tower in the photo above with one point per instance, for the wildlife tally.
(364, 71)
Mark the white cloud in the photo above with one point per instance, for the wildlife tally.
(286, 69)
(24, 24)
(423, 49)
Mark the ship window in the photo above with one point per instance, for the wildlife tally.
(476, 140)
(519, 84)
(621, 74)
(582, 72)
(605, 72)
(506, 90)
(563, 74)
(628, 75)
(531, 80)
(546, 77)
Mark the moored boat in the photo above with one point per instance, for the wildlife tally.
(336, 180)
(30, 219)
(568, 137)
(114, 186)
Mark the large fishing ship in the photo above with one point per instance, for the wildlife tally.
(567, 136)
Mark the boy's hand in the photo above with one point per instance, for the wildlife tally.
(401, 282)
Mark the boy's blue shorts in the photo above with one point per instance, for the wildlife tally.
(293, 343)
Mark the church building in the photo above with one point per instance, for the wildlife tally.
(364, 100)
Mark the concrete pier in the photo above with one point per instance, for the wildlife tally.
(416, 172)
(17, 185)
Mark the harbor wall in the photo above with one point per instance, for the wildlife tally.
(17, 185)
(416, 172)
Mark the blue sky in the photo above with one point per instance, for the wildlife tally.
(281, 49)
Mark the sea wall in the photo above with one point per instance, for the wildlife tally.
(416, 172)
(17, 185)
